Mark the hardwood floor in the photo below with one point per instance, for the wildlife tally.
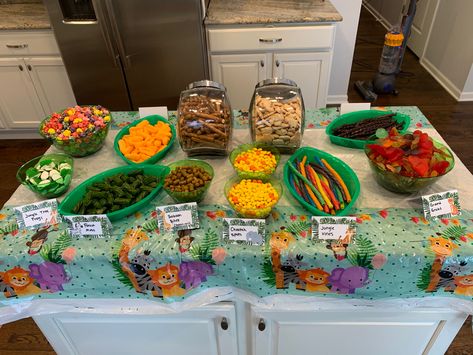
(453, 120)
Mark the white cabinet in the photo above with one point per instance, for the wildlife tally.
(240, 57)
(34, 82)
(209, 330)
(20, 104)
(309, 71)
(364, 331)
(240, 73)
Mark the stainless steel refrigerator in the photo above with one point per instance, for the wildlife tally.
(125, 54)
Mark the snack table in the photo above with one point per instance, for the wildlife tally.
(236, 308)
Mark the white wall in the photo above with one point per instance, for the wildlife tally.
(343, 49)
(389, 12)
(449, 52)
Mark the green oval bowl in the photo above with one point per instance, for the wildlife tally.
(353, 117)
(153, 119)
(407, 184)
(47, 193)
(252, 212)
(67, 205)
(346, 173)
(257, 174)
(196, 195)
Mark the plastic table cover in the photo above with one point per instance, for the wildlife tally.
(395, 256)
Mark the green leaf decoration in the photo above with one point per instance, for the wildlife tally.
(268, 274)
(116, 246)
(362, 252)
(120, 275)
(9, 228)
(203, 251)
(297, 227)
(151, 225)
(53, 252)
(454, 232)
(424, 277)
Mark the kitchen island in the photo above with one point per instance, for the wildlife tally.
(236, 311)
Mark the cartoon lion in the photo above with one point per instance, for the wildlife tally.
(167, 278)
(19, 280)
(464, 285)
(316, 280)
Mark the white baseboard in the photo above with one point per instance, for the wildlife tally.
(441, 79)
(336, 99)
(466, 96)
(382, 20)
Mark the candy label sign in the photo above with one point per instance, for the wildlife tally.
(95, 226)
(37, 215)
(173, 218)
(337, 228)
(244, 231)
(441, 205)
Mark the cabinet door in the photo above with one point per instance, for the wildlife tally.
(20, 104)
(51, 83)
(363, 331)
(309, 70)
(198, 332)
(240, 73)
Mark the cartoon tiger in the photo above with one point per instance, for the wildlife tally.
(19, 280)
(313, 280)
(167, 277)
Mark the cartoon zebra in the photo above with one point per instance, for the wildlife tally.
(289, 267)
(139, 266)
(447, 274)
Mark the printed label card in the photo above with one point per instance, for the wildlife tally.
(244, 231)
(342, 229)
(173, 218)
(36, 215)
(92, 226)
(441, 205)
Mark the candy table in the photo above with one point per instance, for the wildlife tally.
(236, 308)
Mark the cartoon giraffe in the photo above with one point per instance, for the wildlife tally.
(442, 248)
(279, 241)
(132, 238)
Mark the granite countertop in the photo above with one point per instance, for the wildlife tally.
(227, 12)
(23, 17)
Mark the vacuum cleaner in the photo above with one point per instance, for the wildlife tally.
(395, 42)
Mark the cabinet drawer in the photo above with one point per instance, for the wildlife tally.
(28, 43)
(270, 38)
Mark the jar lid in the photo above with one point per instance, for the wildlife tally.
(206, 84)
(274, 81)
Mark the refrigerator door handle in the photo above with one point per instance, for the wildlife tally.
(116, 32)
(105, 33)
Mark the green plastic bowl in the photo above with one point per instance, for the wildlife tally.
(196, 195)
(51, 192)
(346, 173)
(406, 184)
(153, 119)
(67, 205)
(252, 212)
(261, 175)
(81, 146)
(353, 117)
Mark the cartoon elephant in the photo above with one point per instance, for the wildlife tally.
(50, 276)
(349, 279)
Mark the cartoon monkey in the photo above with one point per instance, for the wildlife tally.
(339, 249)
(37, 241)
(184, 240)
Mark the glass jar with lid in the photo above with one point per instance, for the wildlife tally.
(205, 119)
(277, 114)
